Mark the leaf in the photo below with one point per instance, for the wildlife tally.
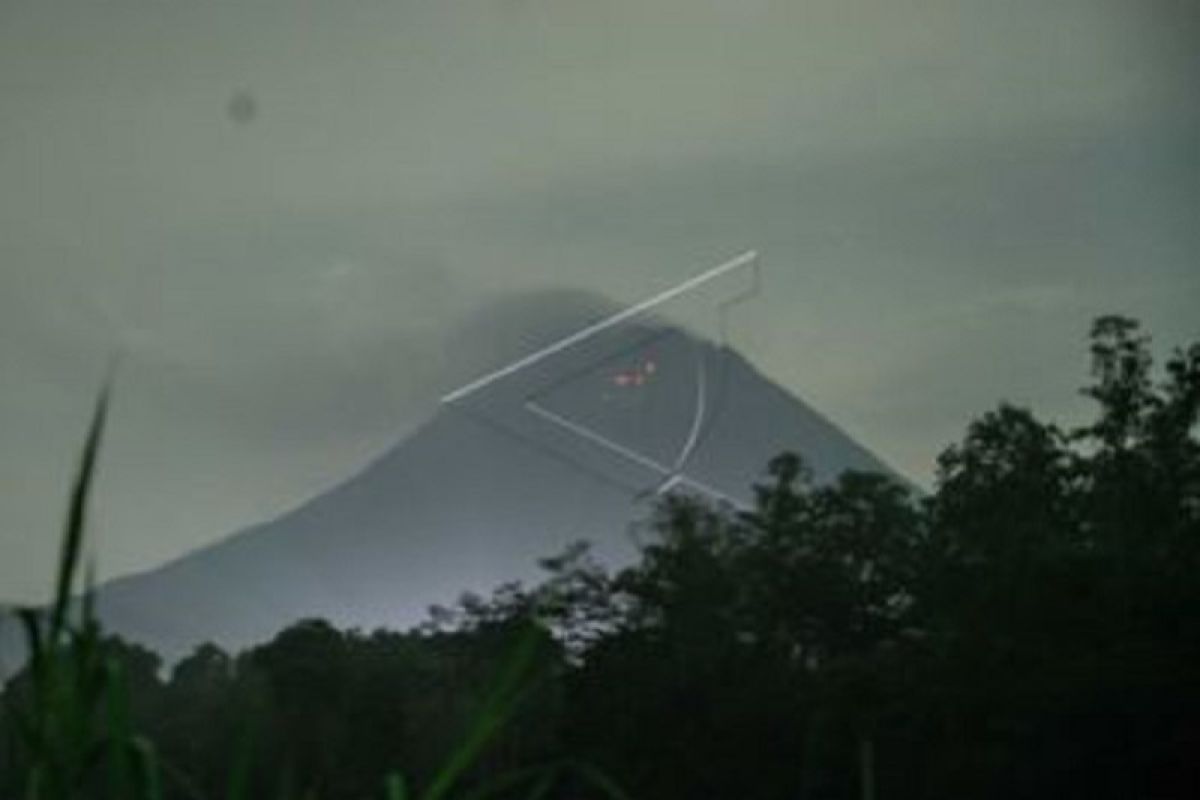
(72, 543)
(146, 758)
(239, 776)
(599, 779)
(496, 710)
(394, 787)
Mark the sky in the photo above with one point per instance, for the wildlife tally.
(285, 214)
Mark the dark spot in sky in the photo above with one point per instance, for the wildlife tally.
(242, 107)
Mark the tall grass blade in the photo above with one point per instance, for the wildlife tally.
(543, 787)
(31, 622)
(599, 780)
(239, 775)
(120, 768)
(496, 710)
(72, 545)
(529, 775)
(394, 787)
(146, 758)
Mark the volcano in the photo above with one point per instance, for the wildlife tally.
(577, 447)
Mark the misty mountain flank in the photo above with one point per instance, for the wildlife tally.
(572, 449)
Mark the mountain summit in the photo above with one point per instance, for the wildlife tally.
(573, 448)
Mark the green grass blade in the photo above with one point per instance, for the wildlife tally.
(31, 623)
(496, 710)
(598, 779)
(543, 787)
(120, 764)
(179, 780)
(394, 787)
(529, 775)
(239, 775)
(72, 544)
(148, 777)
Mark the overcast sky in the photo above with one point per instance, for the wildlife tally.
(944, 194)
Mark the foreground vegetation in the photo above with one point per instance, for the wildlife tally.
(1030, 629)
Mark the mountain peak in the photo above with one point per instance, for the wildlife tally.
(570, 450)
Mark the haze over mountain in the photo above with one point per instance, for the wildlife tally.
(570, 449)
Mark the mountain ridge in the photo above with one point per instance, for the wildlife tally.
(462, 503)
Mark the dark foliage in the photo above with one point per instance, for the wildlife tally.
(1030, 629)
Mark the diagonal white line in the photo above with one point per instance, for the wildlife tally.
(709, 490)
(698, 420)
(672, 479)
(604, 324)
(595, 438)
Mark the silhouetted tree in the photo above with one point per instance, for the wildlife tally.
(1029, 628)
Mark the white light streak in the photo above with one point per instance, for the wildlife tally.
(616, 319)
